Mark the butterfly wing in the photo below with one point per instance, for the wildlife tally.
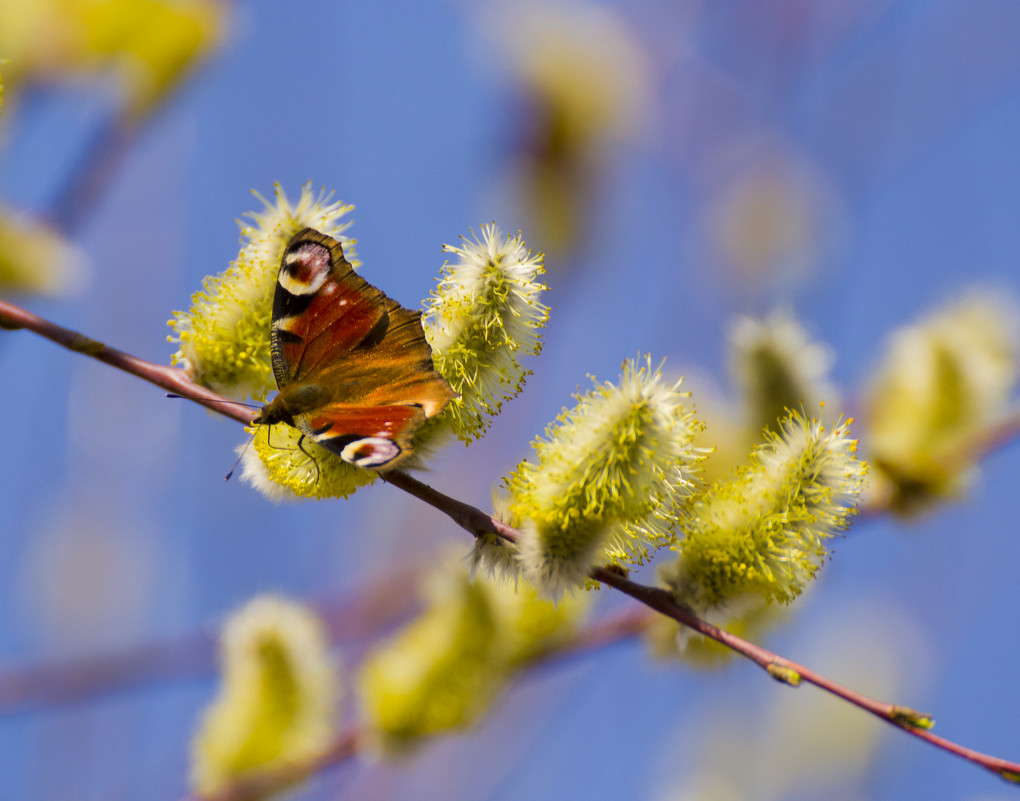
(346, 354)
(365, 436)
(322, 309)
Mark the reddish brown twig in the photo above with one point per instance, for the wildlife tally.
(92, 173)
(266, 783)
(349, 621)
(171, 379)
(478, 523)
(346, 744)
(792, 673)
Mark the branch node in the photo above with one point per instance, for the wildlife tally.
(87, 345)
(908, 718)
(619, 570)
(782, 672)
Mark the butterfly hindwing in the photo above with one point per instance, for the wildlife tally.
(362, 435)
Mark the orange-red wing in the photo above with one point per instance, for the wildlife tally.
(322, 309)
(397, 370)
(340, 428)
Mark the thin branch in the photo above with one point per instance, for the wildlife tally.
(792, 673)
(779, 668)
(349, 620)
(608, 631)
(469, 518)
(172, 379)
(103, 154)
(27, 688)
(479, 523)
(266, 783)
(92, 173)
(348, 743)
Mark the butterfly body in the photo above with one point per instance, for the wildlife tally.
(354, 370)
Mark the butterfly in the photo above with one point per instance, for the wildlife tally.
(352, 366)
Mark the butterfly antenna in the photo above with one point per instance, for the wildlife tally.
(240, 457)
(238, 403)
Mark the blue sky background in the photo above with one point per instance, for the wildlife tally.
(899, 120)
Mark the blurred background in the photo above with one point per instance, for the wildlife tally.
(679, 163)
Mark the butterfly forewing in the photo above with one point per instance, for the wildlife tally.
(398, 370)
(322, 308)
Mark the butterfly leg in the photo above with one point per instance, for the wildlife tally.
(301, 447)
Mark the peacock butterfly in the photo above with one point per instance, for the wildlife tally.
(352, 366)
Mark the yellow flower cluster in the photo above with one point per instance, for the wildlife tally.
(445, 669)
(150, 44)
(283, 466)
(484, 312)
(482, 315)
(34, 257)
(761, 532)
(777, 367)
(276, 705)
(608, 480)
(944, 382)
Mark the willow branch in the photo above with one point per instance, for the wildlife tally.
(349, 622)
(792, 674)
(102, 156)
(172, 379)
(478, 523)
(92, 173)
(266, 783)
(781, 669)
(350, 742)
